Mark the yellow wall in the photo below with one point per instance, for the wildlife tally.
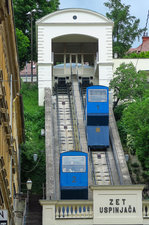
(11, 133)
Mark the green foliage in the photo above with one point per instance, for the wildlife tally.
(135, 55)
(23, 21)
(135, 121)
(132, 115)
(23, 45)
(126, 27)
(21, 8)
(34, 142)
(127, 83)
(119, 110)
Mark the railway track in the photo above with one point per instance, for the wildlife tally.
(100, 167)
(64, 119)
(103, 164)
(104, 167)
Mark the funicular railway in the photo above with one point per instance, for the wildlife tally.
(75, 52)
(69, 99)
(67, 136)
(106, 167)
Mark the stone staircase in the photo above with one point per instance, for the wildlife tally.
(34, 214)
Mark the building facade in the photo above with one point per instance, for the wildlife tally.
(74, 36)
(11, 114)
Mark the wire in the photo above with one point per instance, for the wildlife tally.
(29, 171)
(146, 21)
(144, 35)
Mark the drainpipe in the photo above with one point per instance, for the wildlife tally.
(11, 104)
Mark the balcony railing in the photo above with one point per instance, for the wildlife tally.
(65, 211)
(74, 209)
(145, 208)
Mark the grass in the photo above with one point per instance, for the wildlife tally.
(34, 143)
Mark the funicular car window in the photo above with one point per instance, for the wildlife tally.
(74, 164)
(97, 95)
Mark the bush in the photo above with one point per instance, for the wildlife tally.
(135, 55)
(34, 143)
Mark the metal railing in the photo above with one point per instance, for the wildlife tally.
(92, 167)
(25, 212)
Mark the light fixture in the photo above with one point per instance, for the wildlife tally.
(126, 157)
(115, 55)
(42, 132)
(29, 184)
(35, 156)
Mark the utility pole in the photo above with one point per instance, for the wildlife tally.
(31, 47)
(31, 15)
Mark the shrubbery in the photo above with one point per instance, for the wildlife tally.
(34, 143)
(135, 55)
(132, 112)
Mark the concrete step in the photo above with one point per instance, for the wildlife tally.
(34, 214)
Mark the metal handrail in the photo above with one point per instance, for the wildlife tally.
(92, 167)
(25, 212)
(116, 158)
(58, 121)
(109, 168)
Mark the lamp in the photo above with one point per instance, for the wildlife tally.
(29, 187)
(35, 156)
(29, 184)
(42, 132)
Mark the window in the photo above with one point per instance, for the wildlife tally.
(74, 17)
(1, 199)
(7, 5)
(97, 95)
(73, 164)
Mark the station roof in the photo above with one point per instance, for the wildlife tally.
(79, 16)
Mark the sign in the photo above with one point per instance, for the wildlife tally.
(3, 217)
(117, 204)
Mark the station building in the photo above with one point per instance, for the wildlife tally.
(76, 37)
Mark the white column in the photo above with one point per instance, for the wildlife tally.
(48, 214)
(44, 80)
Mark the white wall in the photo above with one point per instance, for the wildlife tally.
(61, 23)
(140, 64)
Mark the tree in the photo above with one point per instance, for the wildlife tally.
(23, 21)
(128, 84)
(135, 122)
(23, 44)
(21, 8)
(126, 27)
